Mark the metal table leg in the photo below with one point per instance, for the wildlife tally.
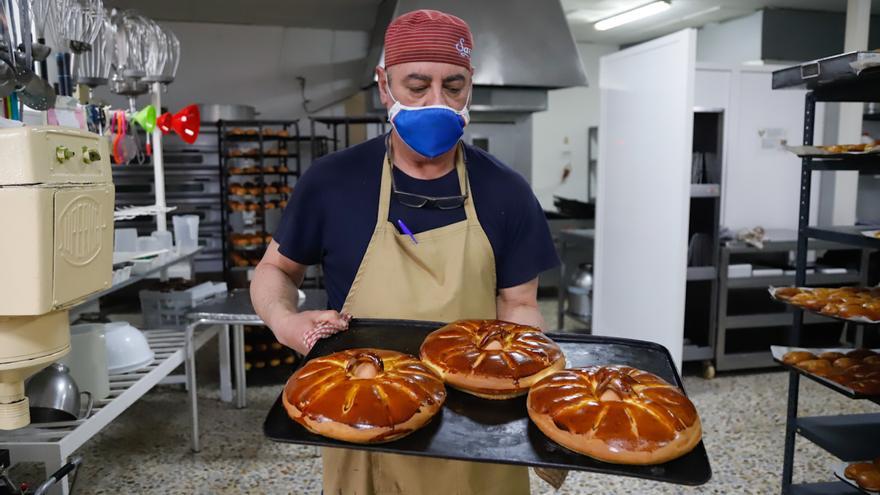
(225, 368)
(192, 397)
(52, 460)
(238, 351)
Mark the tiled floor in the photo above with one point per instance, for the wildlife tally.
(146, 451)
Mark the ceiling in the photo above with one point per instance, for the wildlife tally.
(360, 14)
(321, 14)
(682, 14)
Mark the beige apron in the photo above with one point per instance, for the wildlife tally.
(448, 275)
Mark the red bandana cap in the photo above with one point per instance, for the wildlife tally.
(428, 36)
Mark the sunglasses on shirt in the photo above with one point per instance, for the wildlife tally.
(413, 200)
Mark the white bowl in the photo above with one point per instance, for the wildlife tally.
(127, 348)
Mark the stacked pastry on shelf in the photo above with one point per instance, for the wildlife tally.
(844, 302)
(857, 370)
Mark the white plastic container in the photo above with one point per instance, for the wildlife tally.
(163, 238)
(147, 244)
(88, 359)
(739, 271)
(186, 232)
(125, 240)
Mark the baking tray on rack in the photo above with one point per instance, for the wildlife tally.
(858, 321)
(778, 351)
(473, 429)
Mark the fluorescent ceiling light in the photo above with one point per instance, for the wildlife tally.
(631, 15)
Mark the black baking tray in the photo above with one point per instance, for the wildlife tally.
(473, 429)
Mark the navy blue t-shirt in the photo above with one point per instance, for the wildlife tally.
(332, 214)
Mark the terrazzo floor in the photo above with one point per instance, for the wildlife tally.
(146, 450)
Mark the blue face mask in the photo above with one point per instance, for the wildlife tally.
(430, 131)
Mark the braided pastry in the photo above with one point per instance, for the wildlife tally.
(615, 414)
(363, 395)
(489, 358)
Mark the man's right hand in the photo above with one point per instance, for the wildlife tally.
(300, 331)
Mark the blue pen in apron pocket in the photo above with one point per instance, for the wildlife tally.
(406, 231)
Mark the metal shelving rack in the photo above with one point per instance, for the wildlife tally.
(320, 146)
(729, 288)
(848, 437)
(701, 296)
(287, 153)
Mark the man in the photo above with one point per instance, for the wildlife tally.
(412, 225)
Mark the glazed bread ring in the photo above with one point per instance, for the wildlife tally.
(786, 293)
(363, 395)
(845, 362)
(615, 414)
(869, 480)
(795, 357)
(489, 358)
(854, 470)
(831, 356)
(860, 353)
(816, 366)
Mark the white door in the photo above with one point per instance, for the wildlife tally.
(645, 132)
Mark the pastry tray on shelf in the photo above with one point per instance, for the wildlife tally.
(473, 429)
(778, 351)
(840, 467)
(860, 320)
(819, 152)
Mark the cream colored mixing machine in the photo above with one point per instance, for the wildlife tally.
(56, 248)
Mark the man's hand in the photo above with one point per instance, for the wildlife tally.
(300, 331)
(274, 295)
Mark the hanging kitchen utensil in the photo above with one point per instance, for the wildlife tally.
(169, 72)
(37, 94)
(156, 54)
(164, 122)
(134, 35)
(94, 67)
(186, 123)
(146, 118)
(39, 10)
(32, 91)
(7, 79)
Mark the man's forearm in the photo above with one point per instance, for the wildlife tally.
(522, 313)
(273, 294)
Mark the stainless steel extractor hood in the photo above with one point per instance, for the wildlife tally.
(519, 43)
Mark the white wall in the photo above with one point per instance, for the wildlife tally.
(569, 113)
(258, 65)
(731, 42)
